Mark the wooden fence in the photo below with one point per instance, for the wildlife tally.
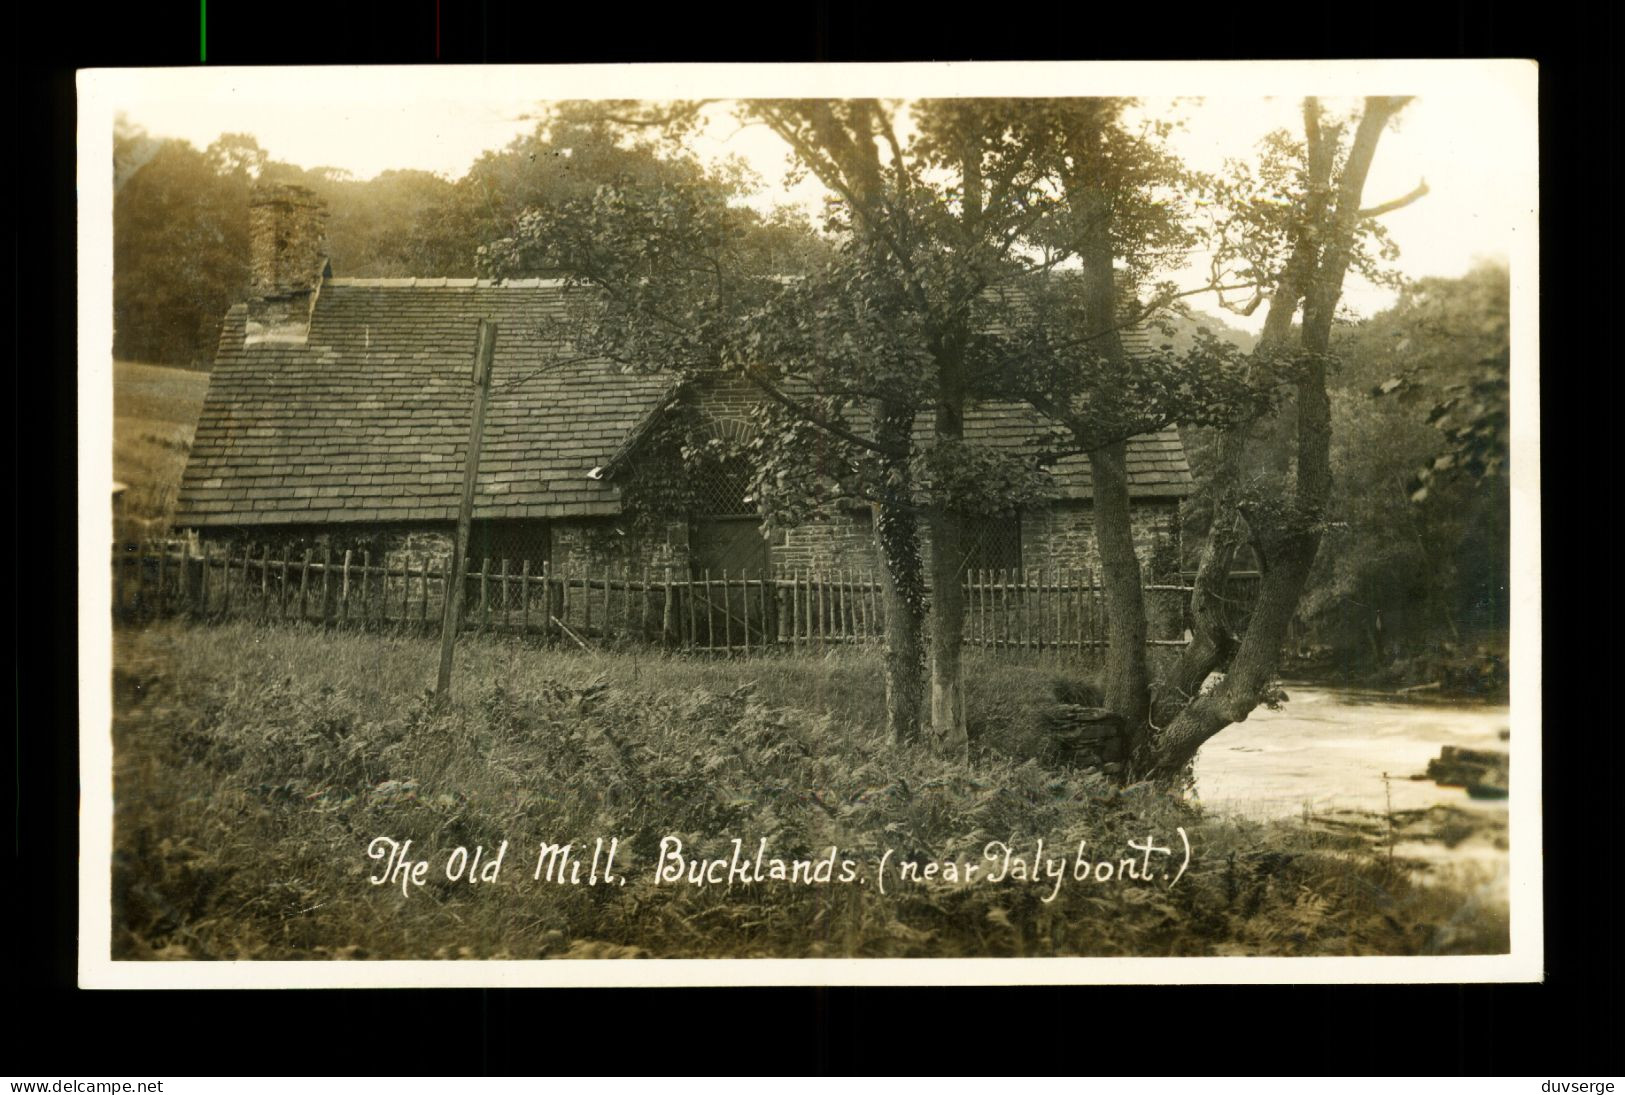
(1031, 612)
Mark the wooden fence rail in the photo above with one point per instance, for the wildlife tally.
(1033, 612)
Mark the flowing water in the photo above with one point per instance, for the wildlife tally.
(1328, 749)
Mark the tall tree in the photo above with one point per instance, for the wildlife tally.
(1300, 250)
(853, 351)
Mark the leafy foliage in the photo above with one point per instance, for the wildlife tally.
(248, 788)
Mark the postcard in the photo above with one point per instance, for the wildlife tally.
(818, 525)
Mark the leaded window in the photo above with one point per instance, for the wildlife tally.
(993, 543)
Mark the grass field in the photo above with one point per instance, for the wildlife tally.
(256, 767)
(155, 412)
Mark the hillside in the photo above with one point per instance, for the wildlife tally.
(155, 411)
(1179, 331)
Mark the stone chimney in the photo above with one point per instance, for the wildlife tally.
(287, 232)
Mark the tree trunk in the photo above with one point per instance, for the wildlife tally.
(1125, 678)
(948, 726)
(897, 535)
(1212, 645)
(1125, 675)
(1318, 266)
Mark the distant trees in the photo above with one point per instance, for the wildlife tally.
(180, 219)
(180, 247)
(1420, 453)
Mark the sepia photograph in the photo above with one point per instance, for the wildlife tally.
(810, 524)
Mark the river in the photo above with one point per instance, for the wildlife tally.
(1328, 748)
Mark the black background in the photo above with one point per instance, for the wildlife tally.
(1568, 1026)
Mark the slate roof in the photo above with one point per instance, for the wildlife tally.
(1157, 467)
(368, 420)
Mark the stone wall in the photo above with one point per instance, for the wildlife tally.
(727, 403)
(604, 542)
(1056, 538)
(843, 542)
(1064, 535)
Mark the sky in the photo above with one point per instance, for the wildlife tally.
(1469, 132)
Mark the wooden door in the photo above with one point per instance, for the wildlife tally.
(734, 545)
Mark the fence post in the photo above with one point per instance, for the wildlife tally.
(727, 616)
(423, 590)
(344, 588)
(668, 612)
(362, 594)
(243, 581)
(795, 609)
(327, 567)
(524, 596)
(406, 590)
(205, 562)
(688, 599)
(643, 612)
(188, 607)
(225, 581)
(304, 585)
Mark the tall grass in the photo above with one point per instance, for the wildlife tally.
(254, 766)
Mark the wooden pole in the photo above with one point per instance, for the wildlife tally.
(203, 581)
(643, 618)
(304, 586)
(524, 596)
(344, 588)
(668, 613)
(727, 615)
(485, 348)
(485, 596)
(688, 595)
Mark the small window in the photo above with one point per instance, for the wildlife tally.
(722, 489)
(993, 543)
(516, 541)
(490, 543)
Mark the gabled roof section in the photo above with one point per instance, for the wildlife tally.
(367, 421)
(1157, 467)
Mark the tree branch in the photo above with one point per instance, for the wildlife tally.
(754, 375)
(1419, 193)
